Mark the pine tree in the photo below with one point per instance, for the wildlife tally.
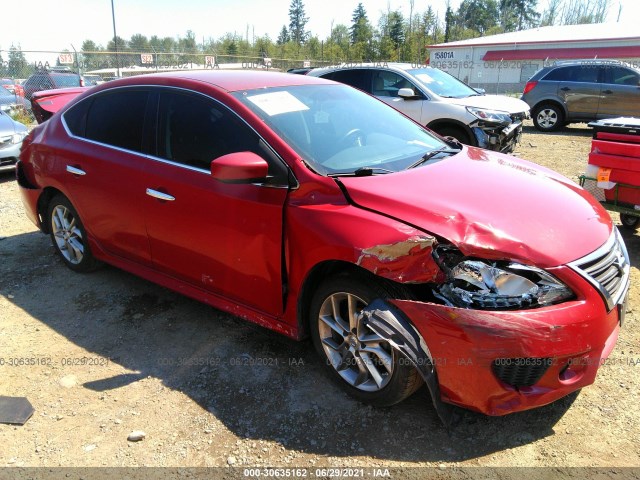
(283, 37)
(298, 22)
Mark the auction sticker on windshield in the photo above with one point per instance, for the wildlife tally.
(276, 103)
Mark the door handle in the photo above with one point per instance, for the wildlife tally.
(565, 89)
(75, 171)
(160, 195)
(608, 92)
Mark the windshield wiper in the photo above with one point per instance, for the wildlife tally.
(362, 172)
(367, 171)
(429, 155)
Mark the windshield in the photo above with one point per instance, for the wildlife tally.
(442, 84)
(339, 130)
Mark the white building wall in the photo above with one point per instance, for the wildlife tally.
(509, 76)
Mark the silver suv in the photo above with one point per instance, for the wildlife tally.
(582, 90)
(438, 101)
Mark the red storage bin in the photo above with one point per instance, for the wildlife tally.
(616, 145)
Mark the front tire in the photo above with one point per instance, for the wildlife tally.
(630, 222)
(364, 364)
(68, 235)
(456, 133)
(548, 117)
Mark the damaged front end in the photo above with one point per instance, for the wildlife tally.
(480, 284)
(495, 336)
(496, 130)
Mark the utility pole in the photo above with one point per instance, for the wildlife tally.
(115, 37)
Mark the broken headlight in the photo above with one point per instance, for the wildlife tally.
(490, 116)
(497, 285)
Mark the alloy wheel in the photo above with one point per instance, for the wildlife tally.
(361, 357)
(67, 234)
(547, 118)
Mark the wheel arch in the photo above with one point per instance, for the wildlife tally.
(552, 100)
(452, 123)
(314, 278)
(45, 197)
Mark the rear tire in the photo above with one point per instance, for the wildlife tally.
(548, 117)
(361, 362)
(68, 235)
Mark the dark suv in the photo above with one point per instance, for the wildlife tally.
(49, 80)
(582, 90)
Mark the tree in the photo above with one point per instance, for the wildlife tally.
(552, 13)
(91, 59)
(577, 12)
(518, 14)
(17, 65)
(396, 28)
(263, 46)
(478, 15)
(360, 27)
(138, 43)
(449, 18)
(283, 36)
(298, 22)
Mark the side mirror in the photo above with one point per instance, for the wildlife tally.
(481, 91)
(407, 93)
(240, 167)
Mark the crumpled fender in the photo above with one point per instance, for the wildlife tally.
(406, 261)
(389, 323)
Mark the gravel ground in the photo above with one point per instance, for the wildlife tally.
(115, 354)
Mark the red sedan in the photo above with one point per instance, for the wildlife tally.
(312, 209)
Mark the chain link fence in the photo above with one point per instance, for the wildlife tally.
(33, 71)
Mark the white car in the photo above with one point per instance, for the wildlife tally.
(11, 135)
(439, 101)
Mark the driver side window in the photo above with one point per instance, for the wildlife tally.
(193, 130)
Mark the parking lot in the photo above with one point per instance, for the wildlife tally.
(104, 354)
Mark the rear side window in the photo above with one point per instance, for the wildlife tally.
(579, 73)
(76, 118)
(559, 74)
(117, 119)
(356, 78)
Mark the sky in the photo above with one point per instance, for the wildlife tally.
(66, 24)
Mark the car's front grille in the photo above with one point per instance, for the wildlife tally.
(607, 269)
(520, 372)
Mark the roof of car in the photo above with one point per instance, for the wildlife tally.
(229, 80)
(385, 65)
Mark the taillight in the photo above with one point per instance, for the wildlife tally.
(529, 86)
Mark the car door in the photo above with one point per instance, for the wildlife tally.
(620, 95)
(222, 237)
(104, 168)
(580, 90)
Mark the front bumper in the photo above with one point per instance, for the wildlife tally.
(501, 138)
(9, 154)
(562, 346)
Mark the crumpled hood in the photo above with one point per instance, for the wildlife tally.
(492, 102)
(492, 206)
